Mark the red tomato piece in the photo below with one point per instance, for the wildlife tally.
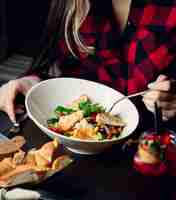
(56, 130)
(93, 116)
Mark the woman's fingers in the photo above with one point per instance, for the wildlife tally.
(9, 91)
(161, 86)
(161, 78)
(159, 96)
(9, 109)
(161, 92)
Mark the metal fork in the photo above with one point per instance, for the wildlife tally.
(127, 97)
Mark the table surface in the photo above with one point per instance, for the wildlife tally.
(107, 176)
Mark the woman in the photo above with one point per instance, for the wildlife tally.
(124, 44)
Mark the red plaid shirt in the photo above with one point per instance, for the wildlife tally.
(129, 60)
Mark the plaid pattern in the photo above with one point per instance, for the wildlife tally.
(125, 61)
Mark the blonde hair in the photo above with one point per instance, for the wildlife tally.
(69, 15)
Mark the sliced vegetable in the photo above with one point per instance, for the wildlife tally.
(93, 117)
(67, 134)
(155, 146)
(63, 110)
(100, 136)
(55, 129)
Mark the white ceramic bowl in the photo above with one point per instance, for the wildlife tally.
(44, 97)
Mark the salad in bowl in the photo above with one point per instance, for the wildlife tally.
(84, 119)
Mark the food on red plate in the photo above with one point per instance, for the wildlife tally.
(84, 119)
(150, 159)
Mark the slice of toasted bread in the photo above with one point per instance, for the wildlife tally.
(48, 150)
(20, 175)
(6, 165)
(18, 157)
(11, 146)
(30, 158)
(40, 160)
(61, 162)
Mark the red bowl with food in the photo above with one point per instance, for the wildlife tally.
(156, 154)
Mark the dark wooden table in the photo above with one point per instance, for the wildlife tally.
(108, 176)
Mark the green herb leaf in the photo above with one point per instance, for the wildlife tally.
(96, 108)
(61, 109)
(83, 104)
(52, 122)
(67, 134)
(89, 108)
(100, 136)
(146, 142)
(155, 146)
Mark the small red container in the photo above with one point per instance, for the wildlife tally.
(148, 160)
(167, 141)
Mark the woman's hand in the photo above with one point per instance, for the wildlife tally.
(9, 91)
(162, 92)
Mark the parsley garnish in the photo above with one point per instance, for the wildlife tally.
(155, 146)
(63, 110)
(52, 120)
(89, 108)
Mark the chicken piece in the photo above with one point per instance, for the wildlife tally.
(18, 157)
(85, 133)
(84, 130)
(6, 165)
(67, 122)
(75, 104)
(106, 118)
(83, 124)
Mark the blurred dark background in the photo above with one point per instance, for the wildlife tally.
(21, 26)
(22, 22)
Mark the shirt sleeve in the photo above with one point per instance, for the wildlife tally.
(154, 54)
